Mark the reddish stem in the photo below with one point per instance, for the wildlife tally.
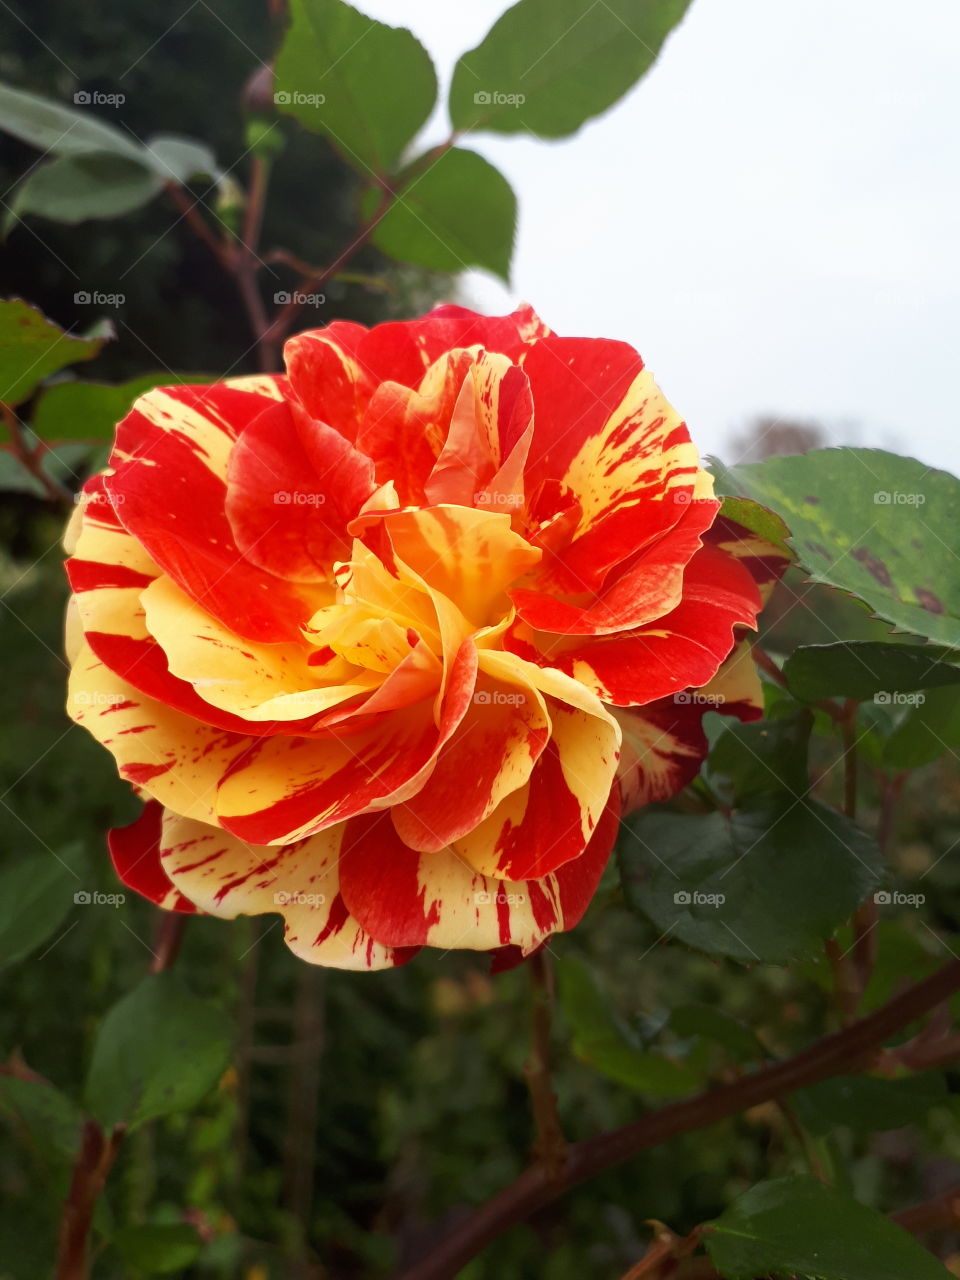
(97, 1153)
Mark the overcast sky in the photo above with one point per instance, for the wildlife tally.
(771, 217)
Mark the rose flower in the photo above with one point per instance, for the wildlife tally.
(388, 642)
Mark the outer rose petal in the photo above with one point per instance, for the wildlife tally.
(169, 490)
(664, 744)
(228, 878)
(135, 852)
(407, 898)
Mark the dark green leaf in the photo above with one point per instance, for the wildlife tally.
(800, 1227)
(548, 66)
(930, 730)
(53, 1121)
(766, 755)
(158, 1051)
(15, 478)
(872, 523)
(869, 1103)
(73, 188)
(158, 1248)
(367, 86)
(36, 892)
(606, 1043)
(861, 669)
(32, 347)
(713, 1024)
(461, 212)
(59, 129)
(769, 882)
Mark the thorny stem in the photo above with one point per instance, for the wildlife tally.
(849, 1049)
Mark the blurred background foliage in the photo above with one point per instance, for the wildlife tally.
(357, 1111)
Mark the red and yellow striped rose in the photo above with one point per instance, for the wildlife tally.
(370, 637)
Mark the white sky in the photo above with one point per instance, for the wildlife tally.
(770, 217)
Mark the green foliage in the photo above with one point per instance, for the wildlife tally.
(862, 669)
(158, 1051)
(158, 1249)
(869, 1104)
(871, 523)
(800, 1226)
(456, 212)
(548, 66)
(36, 892)
(930, 729)
(366, 86)
(32, 347)
(91, 410)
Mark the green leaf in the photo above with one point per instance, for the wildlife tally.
(605, 1042)
(32, 347)
(872, 523)
(159, 1050)
(158, 1248)
(53, 1121)
(90, 410)
(73, 188)
(177, 159)
(800, 1227)
(760, 520)
(15, 478)
(713, 1024)
(868, 1104)
(59, 129)
(460, 212)
(36, 892)
(770, 881)
(367, 86)
(547, 66)
(930, 730)
(860, 669)
(766, 755)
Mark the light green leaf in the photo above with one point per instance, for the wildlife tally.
(32, 347)
(367, 86)
(159, 1050)
(460, 212)
(798, 1226)
(73, 188)
(547, 66)
(62, 130)
(770, 881)
(605, 1042)
(177, 159)
(880, 526)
